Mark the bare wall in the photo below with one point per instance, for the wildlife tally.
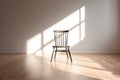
(102, 27)
(22, 19)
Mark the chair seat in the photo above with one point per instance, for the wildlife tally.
(61, 50)
(61, 46)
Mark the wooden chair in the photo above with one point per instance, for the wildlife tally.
(61, 43)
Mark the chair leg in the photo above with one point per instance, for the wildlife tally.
(52, 54)
(70, 54)
(55, 53)
(67, 53)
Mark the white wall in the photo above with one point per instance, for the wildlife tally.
(102, 27)
(21, 20)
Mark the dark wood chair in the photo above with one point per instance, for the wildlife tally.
(61, 43)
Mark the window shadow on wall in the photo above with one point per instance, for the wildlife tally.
(43, 41)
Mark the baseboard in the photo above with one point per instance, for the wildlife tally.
(95, 52)
(12, 53)
(73, 53)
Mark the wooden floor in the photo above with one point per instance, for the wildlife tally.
(84, 67)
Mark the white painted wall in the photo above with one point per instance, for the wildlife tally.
(20, 20)
(102, 27)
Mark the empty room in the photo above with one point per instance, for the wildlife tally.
(59, 39)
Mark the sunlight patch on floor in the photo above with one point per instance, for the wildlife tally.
(86, 67)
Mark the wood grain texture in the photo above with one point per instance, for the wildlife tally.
(84, 67)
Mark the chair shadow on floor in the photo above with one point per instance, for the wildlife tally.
(63, 70)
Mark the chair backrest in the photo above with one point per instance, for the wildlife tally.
(61, 37)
